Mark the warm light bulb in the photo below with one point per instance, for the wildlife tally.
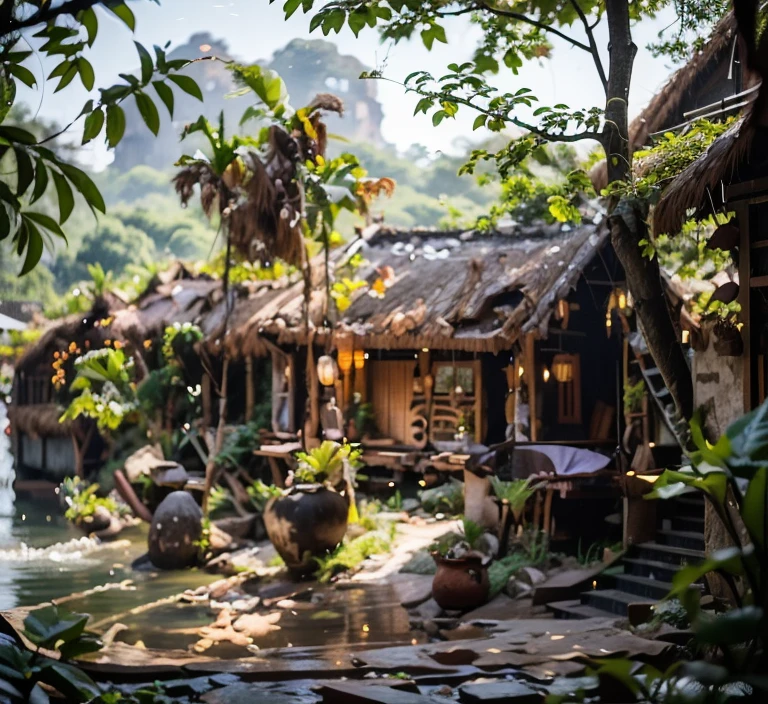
(521, 371)
(546, 375)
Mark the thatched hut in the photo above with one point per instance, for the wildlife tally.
(713, 84)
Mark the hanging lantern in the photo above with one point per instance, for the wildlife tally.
(346, 359)
(359, 359)
(327, 371)
(562, 368)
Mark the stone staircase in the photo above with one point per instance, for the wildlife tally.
(647, 569)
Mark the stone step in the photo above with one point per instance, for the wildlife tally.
(692, 524)
(686, 539)
(669, 554)
(644, 587)
(613, 600)
(573, 609)
(653, 569)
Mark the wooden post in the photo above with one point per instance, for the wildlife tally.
(249, 390)
(530, 370)
(206, 399)
(210, 467)
(479, 401)
(312, 422)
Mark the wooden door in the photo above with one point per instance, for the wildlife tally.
(391, 396)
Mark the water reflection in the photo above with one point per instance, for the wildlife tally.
(43, 557)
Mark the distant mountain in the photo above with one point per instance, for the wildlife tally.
(307, 66)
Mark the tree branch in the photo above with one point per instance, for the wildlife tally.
(592, 44)
(455, 13)
(535, 23)
(549, 137)
(47, 13)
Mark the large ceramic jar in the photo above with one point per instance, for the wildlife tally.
(460, 584)
(308, 521)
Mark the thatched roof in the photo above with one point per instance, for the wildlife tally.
(700, 186)
(665, 110)
(40, 420)
(445, 290)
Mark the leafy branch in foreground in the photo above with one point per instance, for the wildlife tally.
(33, 166)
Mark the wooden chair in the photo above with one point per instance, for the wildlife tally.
(444, 421)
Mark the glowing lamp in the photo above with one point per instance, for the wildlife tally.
(327, 371)
(546, 375)
(359, 359)
(562, 368)
(345, 360)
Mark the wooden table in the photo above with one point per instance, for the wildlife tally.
(273, 453)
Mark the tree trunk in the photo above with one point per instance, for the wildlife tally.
(628, 220)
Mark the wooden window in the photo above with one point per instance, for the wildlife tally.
(569, 395)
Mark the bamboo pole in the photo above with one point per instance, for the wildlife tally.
(249, 390)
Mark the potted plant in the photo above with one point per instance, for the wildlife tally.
(309, 519)
(512, 497)
(91, 513)
(461, 581)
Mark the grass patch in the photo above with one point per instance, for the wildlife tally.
(349, 555)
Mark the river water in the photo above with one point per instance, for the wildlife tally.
(43, 557)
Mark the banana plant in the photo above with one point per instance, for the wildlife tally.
(732, 475)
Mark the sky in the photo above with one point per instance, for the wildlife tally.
(254, 29)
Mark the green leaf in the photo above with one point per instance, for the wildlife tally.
(148, 112)
(68, 76)
(93, 124)
(166, 95)
(334, 21)
(732, 627)
(25, 172)
(438, 116)
(16, 134)
(41, 181)
(291, 6)
(48, 625)
(754, 511)
(124, 13)
(188, 85)
(91, 23)
(357, 20)
(316, 21)
(86, 643)
(115, 124)
(71, 681)
(45, 221)
(59, 69)
(34, 252)
(86, 73)
(147, 67)
(23, 74)
(64, 193)
(84, 184)
(479, 122)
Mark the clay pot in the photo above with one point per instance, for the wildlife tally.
(460, 584)
(307, 522)
(175, 532)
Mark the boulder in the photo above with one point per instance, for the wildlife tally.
(169, 474)
(531, 576)
(142, 462)
(176, 529)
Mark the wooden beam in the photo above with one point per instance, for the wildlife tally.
(745, 256)
(530, 372)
